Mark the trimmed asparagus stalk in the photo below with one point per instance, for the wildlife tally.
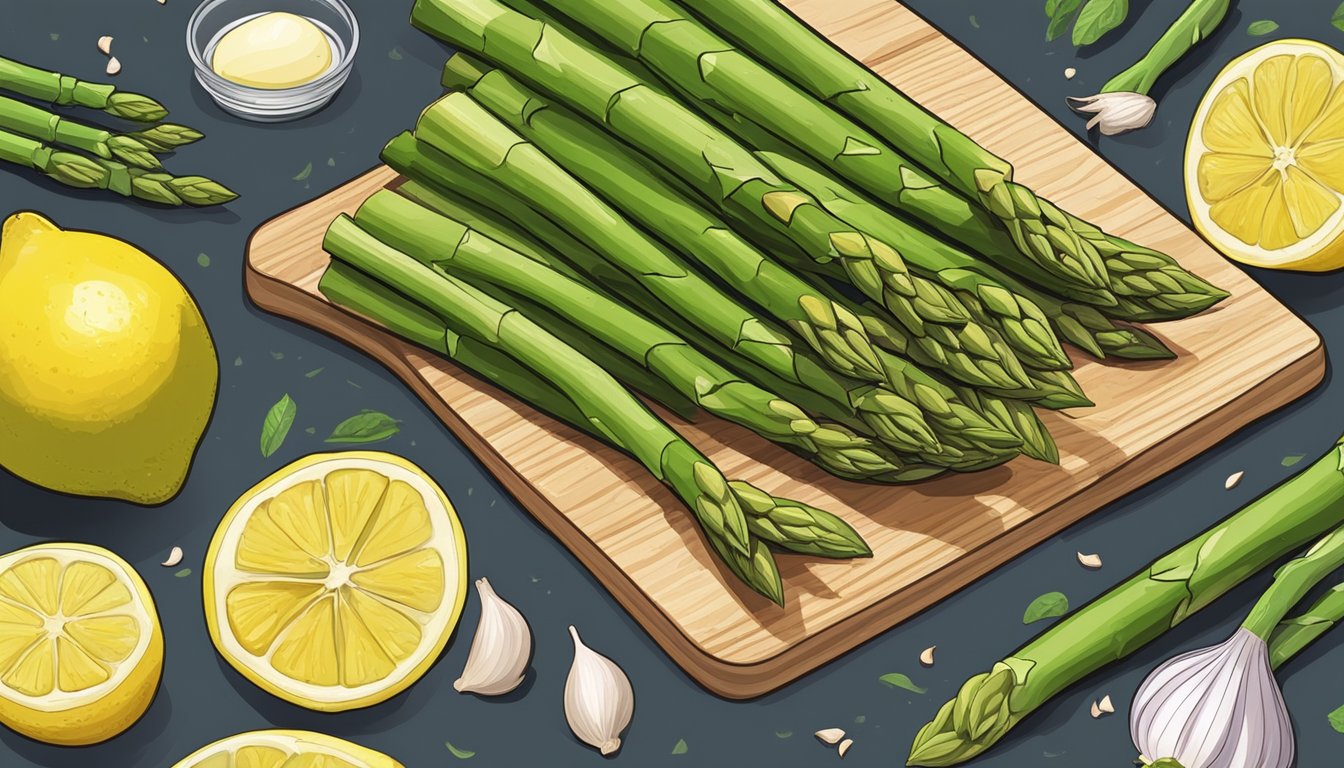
(37, 123)
(63, 90)
(452, 247)
(1294, 634)
(461, 128)
(82, 172)
(969, 440)
(1136, 612)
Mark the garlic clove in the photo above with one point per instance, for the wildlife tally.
(1116, 113)
(1089, 561)
(830, 735)
(926, 656)
(599, 701)
(844, 747)
(1095, 711)
(174, 557)
(105, 45)
(500, 649)
(1216, 707)
(1105, 705)
(113, 66)
(1233, 480)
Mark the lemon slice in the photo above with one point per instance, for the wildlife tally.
(1264, 166)
(335, 582)
(285, 749)
(81, 651)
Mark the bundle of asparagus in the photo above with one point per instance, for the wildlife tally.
(125, 163)
(614, 199)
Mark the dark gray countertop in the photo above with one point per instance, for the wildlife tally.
(263, 357)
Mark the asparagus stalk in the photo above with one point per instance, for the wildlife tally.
(1022, 308)
(37, 123)
(625, 181)
(1136, 612)
(457, 126)
(968, 440)
(82, 172)
(1294, 634)
(63, 90)
(696, 152)
(167, 137)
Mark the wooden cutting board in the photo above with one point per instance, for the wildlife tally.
(1245, 359)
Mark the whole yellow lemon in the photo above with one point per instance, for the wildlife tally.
(107, 370)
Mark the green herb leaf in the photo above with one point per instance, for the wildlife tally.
(305, 173)
(1097, 18)
(276, 426)
(898, 680)
(1292, 461)
(1262, 27)
(783, 734)
(460, 754)
(861, 719)
(203, 259)
(394, 54)
(55, 36)
(313, 373)
(1047, 606)
(365, 427)
(680, 747)
(184, 573)
(1338, 19)
(237, 361)
(1061, 12)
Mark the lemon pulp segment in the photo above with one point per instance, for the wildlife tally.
(336, 582)
(81, 651)
(285, 749)
(1265, 162)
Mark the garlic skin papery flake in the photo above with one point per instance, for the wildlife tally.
(1116, 113)
(1217, 707)
(599, 701)
(500, 649)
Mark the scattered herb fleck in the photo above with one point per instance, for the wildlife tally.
(305, 173)
(353, 384)
(1047, 606)
(898, 680)
(1262, 27)
(313, 373)
(1291, 461)
(861, 719)
(680, 747)
(394, 54)
(238, 362)
(460, 754)
(55, 36)
(184, 573)
(1337, 720)
(365, 427)
(975, 23)
(331, 162)
(276, 426)
(203, 259)
(1047, 753)
(783, 734)
(1338, 19)
(277, 355)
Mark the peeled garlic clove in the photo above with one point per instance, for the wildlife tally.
(1116, 113)
(599, 701)
(105, 45)
(1096, 710)
(830, 735)
(926, 658)
(844, 747)
(1105, 705)
(174, 557)
(113, 66)
(500, 648)
(1233, 480)
(1089, 561)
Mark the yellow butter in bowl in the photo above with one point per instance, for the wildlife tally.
(273, 51)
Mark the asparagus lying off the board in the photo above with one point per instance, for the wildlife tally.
(63, 90)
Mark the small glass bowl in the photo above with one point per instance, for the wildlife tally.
(214, 18)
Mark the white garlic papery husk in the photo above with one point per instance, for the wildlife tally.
(1116, 113)
(1217, 707)
(599, 701)
(500, 649)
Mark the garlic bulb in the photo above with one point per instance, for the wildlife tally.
(500, 649)
(599, 701)
(1217, 707)
(1116, 113)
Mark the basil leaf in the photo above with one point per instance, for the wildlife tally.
(1338, 19)
(1337, 719)
(276, 426)
(898, 680)
(1047, 606)
(1061, 12)
(1097, 18)
(1262, 27)
(365, 427)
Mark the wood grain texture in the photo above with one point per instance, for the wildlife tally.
(1245, 359)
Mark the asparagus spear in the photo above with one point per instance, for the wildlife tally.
(625, 181)
(968, 440)
(457, 126)
(82, 172)
(992, 290)
(700, 155)
(167, 137)
(63, 90)
(1294, 634)
(454, 248)
(1136, 612)
(37, 123)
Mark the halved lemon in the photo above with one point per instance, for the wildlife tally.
(336, 582)
(1264, 165)
(81, 651)
(285, 749)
